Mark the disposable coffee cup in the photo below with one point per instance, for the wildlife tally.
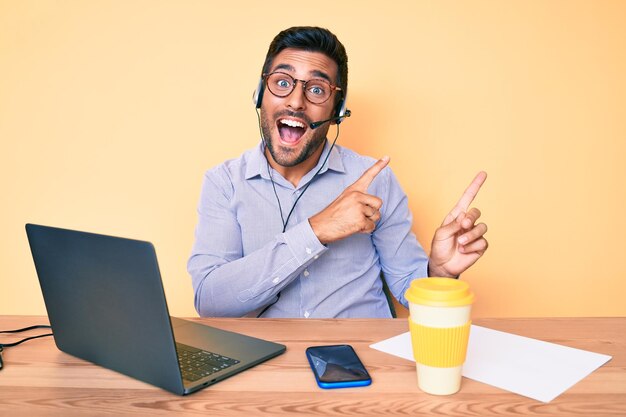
(440, 323)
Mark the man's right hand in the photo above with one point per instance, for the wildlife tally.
(354, 211)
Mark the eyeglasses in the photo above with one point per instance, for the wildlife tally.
(316, 90)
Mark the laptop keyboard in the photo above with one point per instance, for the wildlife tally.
(196, 363)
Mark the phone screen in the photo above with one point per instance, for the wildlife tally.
(337, 366)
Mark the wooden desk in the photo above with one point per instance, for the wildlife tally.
(39, 380)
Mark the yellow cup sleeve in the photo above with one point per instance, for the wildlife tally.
(439, 347)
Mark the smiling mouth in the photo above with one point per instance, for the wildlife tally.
(290, 130)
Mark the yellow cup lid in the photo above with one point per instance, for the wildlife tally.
(439, 292)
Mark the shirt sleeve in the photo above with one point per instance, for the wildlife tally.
(402, 258)
(228, 284)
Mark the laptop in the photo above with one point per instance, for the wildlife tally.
(105, 302)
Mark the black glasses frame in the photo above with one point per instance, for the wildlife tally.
(304, 83)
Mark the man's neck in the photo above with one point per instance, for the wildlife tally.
(295, 173)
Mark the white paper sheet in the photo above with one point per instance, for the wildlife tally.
(525, 366)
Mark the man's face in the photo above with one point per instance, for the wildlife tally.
(285, 120)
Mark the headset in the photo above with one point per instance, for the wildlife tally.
(341, 110)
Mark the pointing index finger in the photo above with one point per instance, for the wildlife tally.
(368, 176)
(471, 191)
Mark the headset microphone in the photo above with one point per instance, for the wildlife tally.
(315, 125)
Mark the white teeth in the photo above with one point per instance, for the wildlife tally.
(292, 123)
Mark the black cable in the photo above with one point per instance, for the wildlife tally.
(280, 208)
(38, 326)
(312, 178)
(297, 199)
(3, 345)
(285, 222)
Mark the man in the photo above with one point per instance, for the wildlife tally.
(297, 227)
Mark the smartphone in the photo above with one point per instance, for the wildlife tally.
(337, 366)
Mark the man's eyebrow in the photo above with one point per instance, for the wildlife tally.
(321, 74)
(284, 67)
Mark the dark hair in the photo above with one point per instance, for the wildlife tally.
(311, 39)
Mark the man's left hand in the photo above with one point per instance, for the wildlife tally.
(459, 242)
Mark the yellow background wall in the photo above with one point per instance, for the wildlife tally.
(111, 111)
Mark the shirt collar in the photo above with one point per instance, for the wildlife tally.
(257, 163)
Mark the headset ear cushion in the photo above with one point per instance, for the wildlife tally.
(257, 96)
(341, 110)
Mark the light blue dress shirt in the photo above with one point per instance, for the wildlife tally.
(241, 259)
